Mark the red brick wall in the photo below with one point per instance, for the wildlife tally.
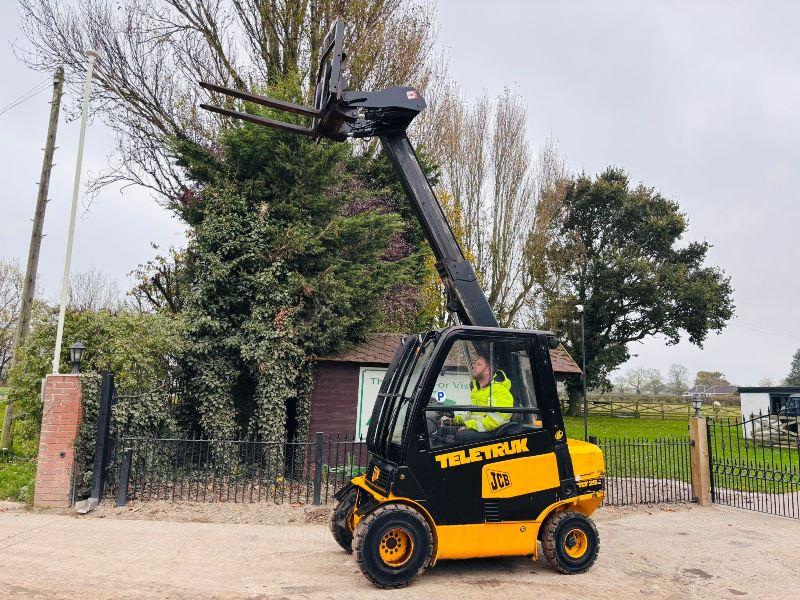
(61, 416)
(334, 405)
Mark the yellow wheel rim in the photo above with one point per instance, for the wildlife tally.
(576, 543)
(396, 547)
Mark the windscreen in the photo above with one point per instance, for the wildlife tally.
(390, 414)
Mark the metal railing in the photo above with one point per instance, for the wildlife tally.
(638, 471)
(643, 471)
(755, 463)
(246, 470)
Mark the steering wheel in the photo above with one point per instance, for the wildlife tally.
(434, 417)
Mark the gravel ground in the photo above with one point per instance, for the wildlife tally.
(644, 490)
(286, 514)
(262, 513)
(272, 552)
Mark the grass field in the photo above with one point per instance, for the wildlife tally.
(621, 428)
(17, 479)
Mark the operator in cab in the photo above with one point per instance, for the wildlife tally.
(487, 389)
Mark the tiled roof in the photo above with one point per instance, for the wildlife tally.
(563, 363)
(379, 348)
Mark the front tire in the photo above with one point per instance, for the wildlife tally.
(393, 545)
(570, 542)
(340, 521)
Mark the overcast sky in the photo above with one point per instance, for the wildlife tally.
(699, 100)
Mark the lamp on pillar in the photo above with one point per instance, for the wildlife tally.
(697, 403)
(76, 356)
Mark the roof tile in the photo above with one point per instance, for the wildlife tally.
(379, 348)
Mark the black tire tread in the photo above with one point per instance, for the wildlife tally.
(549, 541)
(362, 529)
(342, 535)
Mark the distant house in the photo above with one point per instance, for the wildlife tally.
(346, 384)
(706, 391)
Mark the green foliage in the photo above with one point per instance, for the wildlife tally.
(85, 441)
(17, 479)
(629, 269)
(793, 378)
(285, 262)
(161, 283)
(139, 348)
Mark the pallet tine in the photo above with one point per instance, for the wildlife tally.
(280, 125)
(264, 100)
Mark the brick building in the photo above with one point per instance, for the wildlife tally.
(345, 384)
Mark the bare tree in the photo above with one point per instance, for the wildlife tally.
(620, 383)
(11, 279)
(655, 382)
(637, 378)
(677, 379)
(153, 52)
(505, 196)
(766, 382)
(92, 289)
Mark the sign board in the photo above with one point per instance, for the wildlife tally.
(452, 387)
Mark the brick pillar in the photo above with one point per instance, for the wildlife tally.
(62, 413)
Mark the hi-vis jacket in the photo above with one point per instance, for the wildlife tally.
(497, 393)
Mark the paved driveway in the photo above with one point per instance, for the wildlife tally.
(684, 553)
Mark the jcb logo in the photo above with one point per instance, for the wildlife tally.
(498, 480)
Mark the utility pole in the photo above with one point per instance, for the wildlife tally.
(29, 284)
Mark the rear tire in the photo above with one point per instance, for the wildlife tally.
(394, 545)
(340, 521)
(570, 542)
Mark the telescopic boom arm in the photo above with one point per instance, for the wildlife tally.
(340, 114)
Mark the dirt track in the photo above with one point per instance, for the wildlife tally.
(654, 553)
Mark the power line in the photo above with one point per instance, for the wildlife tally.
(34, 91)
(738, 323)
(34, 88)
(23, 98)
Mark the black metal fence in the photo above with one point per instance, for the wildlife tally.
(248, 470)
(755, 463)
(639, 471)
(643, 471)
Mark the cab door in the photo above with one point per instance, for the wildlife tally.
(484, 450)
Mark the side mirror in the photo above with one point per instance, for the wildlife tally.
(552, 342)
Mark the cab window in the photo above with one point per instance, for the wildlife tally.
(406, 388)
(484, 390)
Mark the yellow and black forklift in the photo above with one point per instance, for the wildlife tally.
(468, 453)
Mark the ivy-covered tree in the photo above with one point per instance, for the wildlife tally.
(621, 257)
(290, 256)
(793, 378)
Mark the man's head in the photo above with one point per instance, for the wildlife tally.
(481, 369)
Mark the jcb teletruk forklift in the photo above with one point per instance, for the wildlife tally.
(468, 454)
